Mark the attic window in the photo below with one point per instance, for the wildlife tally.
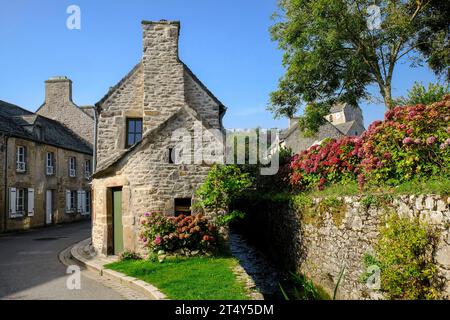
(134, 131)
(183, 206)
(171, 156)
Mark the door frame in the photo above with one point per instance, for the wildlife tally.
(113, 233)
(47, 203)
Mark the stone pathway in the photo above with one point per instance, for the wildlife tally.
(263, 273)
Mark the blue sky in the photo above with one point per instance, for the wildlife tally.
(226, 43)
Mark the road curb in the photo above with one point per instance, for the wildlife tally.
(98, 266)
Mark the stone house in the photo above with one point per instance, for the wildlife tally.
(58, 106)
(343, 120)
(45, 171)
(139, 122)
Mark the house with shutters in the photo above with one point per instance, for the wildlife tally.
(46, 168)
(343, 120)
(139, 122)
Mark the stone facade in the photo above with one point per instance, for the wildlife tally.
(59, 106)
(343, 120)
(321, 247)
(34, 177)
(172, 104)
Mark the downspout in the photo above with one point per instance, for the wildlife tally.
(5, 220)
(94, 166)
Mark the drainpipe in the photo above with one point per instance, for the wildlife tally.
(94, 161)
(5, 221)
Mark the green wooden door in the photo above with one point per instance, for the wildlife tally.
(118, 228)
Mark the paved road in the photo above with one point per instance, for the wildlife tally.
(30, 268)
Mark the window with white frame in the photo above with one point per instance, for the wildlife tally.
(71, 201)
(72, 167)
(87, 169)
(21, 159)
(21, 202)
(50, 167)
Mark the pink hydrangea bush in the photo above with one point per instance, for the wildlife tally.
(331, 162)
(412, 141)
(169, 234)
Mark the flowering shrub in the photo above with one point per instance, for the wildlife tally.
(412, 141)
(332, 161)
(169, 234)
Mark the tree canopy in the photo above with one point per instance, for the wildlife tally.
(335, 49)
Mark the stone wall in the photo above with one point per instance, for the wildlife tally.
(59, 106)
(149, 184)
(35, 177)
(321, 244)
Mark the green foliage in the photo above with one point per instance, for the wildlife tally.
(404, 253)
(302, 288)
(128, 255)
(302, 201)
(228, 218)
(332, 54)
(224, 184)
(369, 201)
(419, 94)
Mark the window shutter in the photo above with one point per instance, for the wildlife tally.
(30, 202)
(79, 201)
(12, 202)
(83, 202)
(68, 204)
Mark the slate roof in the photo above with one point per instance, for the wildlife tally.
(18, 122)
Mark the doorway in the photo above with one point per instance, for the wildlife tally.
(49, 207)
(117, 220)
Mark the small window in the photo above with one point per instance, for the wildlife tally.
(50, 167)
(71, 201)
(87, 169)
(171, 156)
(183, 206)
(88, 202)
(21, 159)
(134, 131)
(72, 167)
(20, 201)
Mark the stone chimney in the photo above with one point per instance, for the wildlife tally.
(163, 71)
(58, 91)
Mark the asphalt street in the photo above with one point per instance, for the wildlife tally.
(30, 267)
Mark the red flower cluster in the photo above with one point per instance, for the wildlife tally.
(411, 141)
(332, 161)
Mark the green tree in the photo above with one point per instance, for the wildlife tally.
(419, 94)
(335, 49)
(224, 184)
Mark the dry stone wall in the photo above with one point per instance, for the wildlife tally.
(321, 242)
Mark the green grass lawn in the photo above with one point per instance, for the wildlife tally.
(199, 278)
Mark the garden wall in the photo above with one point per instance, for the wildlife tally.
(321, 240)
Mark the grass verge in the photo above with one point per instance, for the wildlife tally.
(199, 278)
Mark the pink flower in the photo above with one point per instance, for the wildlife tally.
(158, 240)
(431, 140)
(408, 140)
(146, 214)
